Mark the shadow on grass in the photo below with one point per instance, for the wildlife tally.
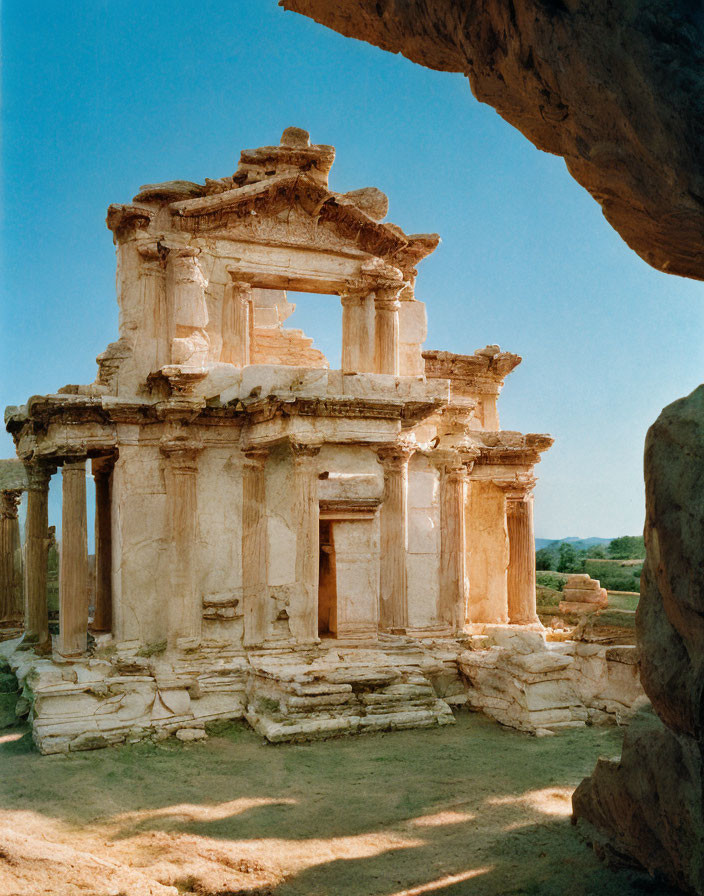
(472, 809)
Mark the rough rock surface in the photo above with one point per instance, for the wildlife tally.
(614, 88)
(651, 805)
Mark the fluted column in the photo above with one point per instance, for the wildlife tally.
(452, 609)
(393, 609)
(304, 622)
(10, 581)
(521, 567)
(254, 546)
(185, 610)
(236, 311)
(36, 555)
(357, 341)
(73, 575)
(102, 475)
(386, 331)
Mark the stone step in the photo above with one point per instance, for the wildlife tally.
(342, 699)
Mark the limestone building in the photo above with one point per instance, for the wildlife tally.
(302, 546)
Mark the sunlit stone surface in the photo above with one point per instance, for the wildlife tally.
(320, 551)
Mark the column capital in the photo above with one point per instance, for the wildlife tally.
(457, 462)
(517, 489)
(354, 296)
(396, 455)
(9, 500)
(102, 466)
(302, 449)
(239, 279)
(386, 298)
(74, 464)
(38, 474)
(255, 457)
(182, 453)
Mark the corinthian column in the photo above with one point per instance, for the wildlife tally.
(254, 546)
(236, 312)
(102, 474)
(36, 556)
(452, 609)
(10, 581)
(386, 308)
(185, 610)
(521, 567)
(393, 609)
(357, 341)
(73, 576)
(304, 621)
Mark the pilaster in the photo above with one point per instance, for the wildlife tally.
(185, 609)
(393, 608)
(254, 546)
(304, 622)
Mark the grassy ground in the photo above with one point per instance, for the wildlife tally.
(468, 810)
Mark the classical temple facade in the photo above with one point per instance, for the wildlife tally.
(301, 546)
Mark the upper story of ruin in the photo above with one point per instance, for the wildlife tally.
(204, 272)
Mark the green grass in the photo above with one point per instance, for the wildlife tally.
(459, 799)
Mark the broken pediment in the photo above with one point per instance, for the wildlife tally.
(279, 195)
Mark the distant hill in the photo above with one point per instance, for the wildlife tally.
(578, 543)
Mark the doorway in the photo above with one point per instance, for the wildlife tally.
(327, 582)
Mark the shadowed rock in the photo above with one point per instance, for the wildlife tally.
(617, 89)
(650, 805)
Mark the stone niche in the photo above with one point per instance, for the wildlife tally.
(317, 551)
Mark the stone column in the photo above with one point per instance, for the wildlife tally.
(102, 475)
(190, 342)
(393, 608)
(73, 575)
(152, 278)
(236, 310)
(36, 610)
(487, 541)
(452, 608)
(304, 623)
(357, 342)
(521, 567)
(386, 330)
(254, 546)
(185, 609)
(10, 582)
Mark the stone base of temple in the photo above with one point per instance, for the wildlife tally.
(524, 681)
(344, 690)
(124, 693)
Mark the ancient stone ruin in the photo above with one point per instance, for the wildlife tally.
(583, 595)
(317, 551)
(274, 539)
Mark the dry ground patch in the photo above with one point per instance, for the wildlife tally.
(471, 809)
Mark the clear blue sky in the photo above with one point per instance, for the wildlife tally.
(99, 97)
